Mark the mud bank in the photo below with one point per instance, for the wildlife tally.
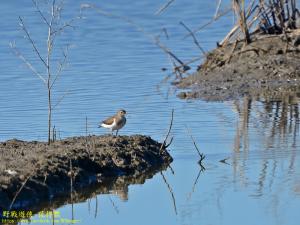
(269, 66)
(33, 172)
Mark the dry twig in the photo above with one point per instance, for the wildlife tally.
(164, 7)
(201, 155)
(164, 144)
(194, 38)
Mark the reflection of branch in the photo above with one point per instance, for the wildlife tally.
(172, 171)
(262, 177)
(20, 189)
(171, 192)
(113, 204)
(195, 183)
(164, 144)
(96, 207)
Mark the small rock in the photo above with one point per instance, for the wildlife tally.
(182, 95)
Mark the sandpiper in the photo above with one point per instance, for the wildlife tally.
(115, 122)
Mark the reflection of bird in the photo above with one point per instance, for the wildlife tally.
(115, 122)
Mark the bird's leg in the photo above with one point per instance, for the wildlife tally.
(117, 133)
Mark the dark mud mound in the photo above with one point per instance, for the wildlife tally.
(270, 64)
(32, 172)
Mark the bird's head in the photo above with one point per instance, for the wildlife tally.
(121, 112)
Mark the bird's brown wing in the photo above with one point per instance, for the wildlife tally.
(108, 121)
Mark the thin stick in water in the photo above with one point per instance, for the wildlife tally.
(164, 144)
(201, 155)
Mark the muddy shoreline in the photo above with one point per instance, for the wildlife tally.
(33, 172)
(269, 66)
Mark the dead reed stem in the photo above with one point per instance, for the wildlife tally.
(194, 38)
(239, 9)
(215, 18)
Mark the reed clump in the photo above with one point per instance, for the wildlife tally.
(262, 16)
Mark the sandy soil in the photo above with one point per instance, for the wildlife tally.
(268, 66)
(44, 172)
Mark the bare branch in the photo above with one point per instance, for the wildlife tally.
(215, 18)
(218, 8)
(168, 133)
(194, 38)
(27, 63)
(168, 52)
(201, 155)
(61, 66)
(31, 41)
(60, 99)
(164, 7)
(194, 142)
(164, 31)
(40, 12)
(63, 27)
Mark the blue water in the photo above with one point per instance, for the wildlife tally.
(112, 65)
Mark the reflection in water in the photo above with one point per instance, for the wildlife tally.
(260, 181)
(277, 118)
(195, 183)
(117, 186)
(171, 192)
(114, 205)
(275, 125)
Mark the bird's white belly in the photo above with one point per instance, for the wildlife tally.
(112, 126)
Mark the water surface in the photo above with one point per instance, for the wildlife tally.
(112, 66)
